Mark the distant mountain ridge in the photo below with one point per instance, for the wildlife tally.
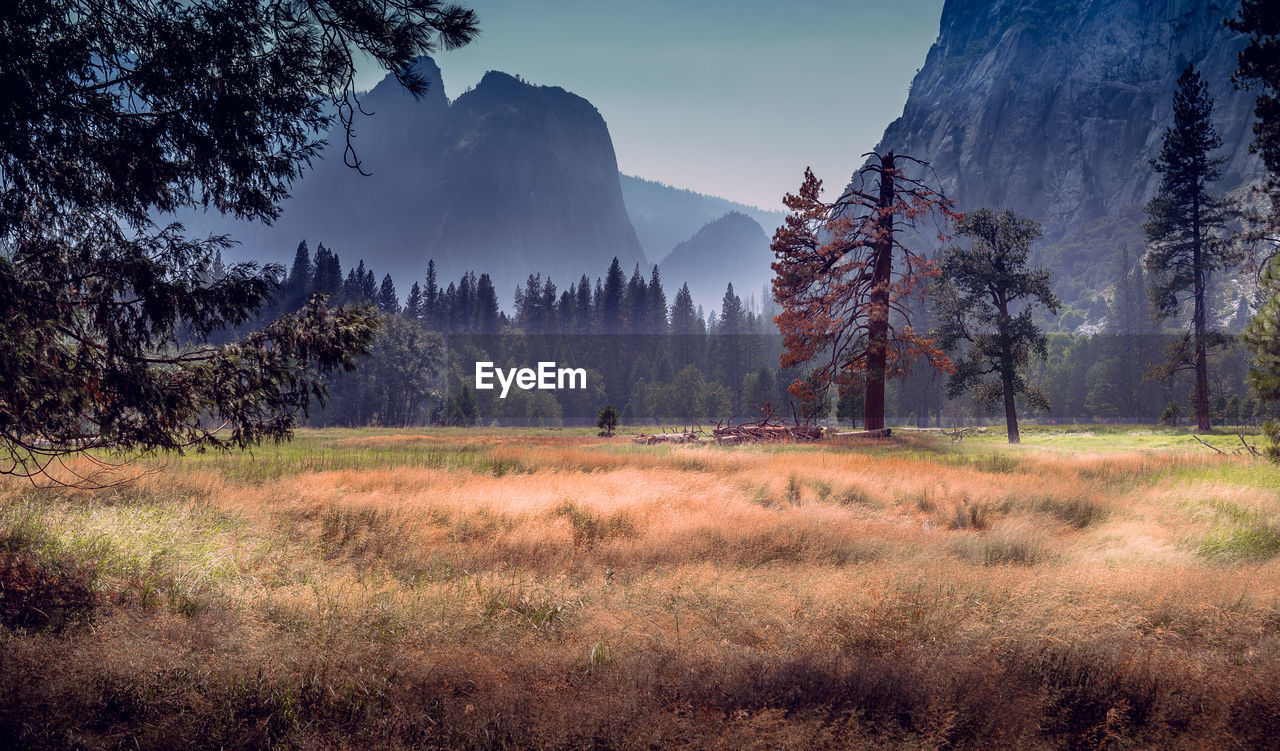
(732, 249)
(508, 179)
(665, 216)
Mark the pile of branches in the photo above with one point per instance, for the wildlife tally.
(768, 429)
(751, 433)
(686, 436)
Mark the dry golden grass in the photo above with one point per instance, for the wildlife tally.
(554, 591)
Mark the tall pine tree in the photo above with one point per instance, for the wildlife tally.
(1259, 65)
(1186, 225)
(413, 304)
(431, 299)
(842, 270)
(299, 278)
(388, 300)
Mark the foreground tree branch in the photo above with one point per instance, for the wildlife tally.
(114, 113)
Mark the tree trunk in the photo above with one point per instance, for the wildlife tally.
(1010, 409)
(1198, 323)
(1202, 382)
(878, 311)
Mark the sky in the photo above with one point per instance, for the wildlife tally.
(724, 97)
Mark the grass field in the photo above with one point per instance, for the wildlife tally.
(1093, 588)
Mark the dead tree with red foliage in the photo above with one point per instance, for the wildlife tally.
(841, 272)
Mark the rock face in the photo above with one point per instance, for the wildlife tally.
(529, 182)
(1053, 108)
(733, 248)
(509, 179)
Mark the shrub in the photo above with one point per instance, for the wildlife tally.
(607, 420)
(1005, 547)
(1078, 512)
(590, 528)
(969, 516)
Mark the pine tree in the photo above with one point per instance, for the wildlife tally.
(583, 311)
(431, 299)
(528, 305)
(413, 304)
(450, 317)
(550, 324)
(636, 304)
(564, 310)
(388, 300)
(1186, 224)
(985, 301)
(299, 279)
(611, 300)
(351, 288)
(368, 286)
(657, 304)
(837, 281)
(465, 303)
(488, 318)
(357, 290)
(730, 345)
(328, 272)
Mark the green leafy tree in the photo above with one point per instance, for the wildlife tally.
(460, 406)
(116, 112)
(1186, 227)
(686, 396)
(1263, 337)
(985, 302)
(607, 420)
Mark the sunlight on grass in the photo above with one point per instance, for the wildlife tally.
(547, 588)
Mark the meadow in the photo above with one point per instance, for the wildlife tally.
(1092, 588)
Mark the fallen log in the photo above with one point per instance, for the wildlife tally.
(863, 434)
(649, 440)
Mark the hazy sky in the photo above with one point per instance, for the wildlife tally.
(731, 98)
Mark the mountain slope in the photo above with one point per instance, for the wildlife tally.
(665, 216)
(733, 248)
(1054, 110)
(508, 179)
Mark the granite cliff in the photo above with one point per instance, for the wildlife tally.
(1054, 108)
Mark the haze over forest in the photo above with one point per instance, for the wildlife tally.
(1053, 112)
(1013, 111)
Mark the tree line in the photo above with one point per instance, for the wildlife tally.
(676, 362)
(123, 334)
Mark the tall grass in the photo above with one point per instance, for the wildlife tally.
(455, 589)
